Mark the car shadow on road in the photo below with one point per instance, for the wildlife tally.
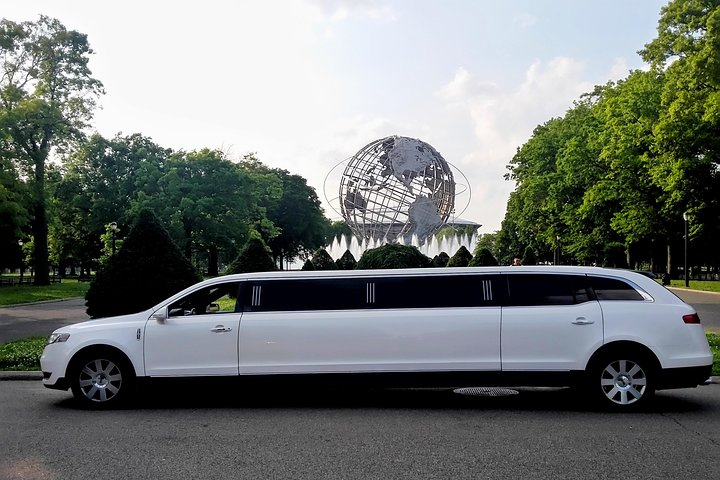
(231, 395)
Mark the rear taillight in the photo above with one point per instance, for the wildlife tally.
(691, 318)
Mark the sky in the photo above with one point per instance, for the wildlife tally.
(305, 84)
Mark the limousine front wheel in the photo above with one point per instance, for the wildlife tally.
(623, 381)
(100, 379)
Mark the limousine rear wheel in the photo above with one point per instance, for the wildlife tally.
(623, 381)
(100, 378)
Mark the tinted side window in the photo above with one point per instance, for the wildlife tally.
(547, 289)
(433, 291)
(614, 289)
(214, 299)
(304, 294)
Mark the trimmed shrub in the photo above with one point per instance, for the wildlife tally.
(308, 265)
(254, 257)
(484, 258)
(148, 268)
(346, 262)
(440, 260)
(393, 255)
(461, 258)
(323, 261)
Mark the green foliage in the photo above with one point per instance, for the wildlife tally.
(461, 258)
(148, 268)
(440, 260)
(22, 355)
(48, 96)
(393, 255)
(529, 257)
(322, 260)
(483, 258)
(308, 265)
(714, 342)
(254, 257)
(296, 213)
(339, 229)
(346, 262)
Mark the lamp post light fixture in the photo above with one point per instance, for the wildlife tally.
(22, 260)
(685, 269)
(113, 229)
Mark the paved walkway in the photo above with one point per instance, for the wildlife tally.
(41, 319)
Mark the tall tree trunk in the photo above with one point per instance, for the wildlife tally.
(39, 226)
(669, 259)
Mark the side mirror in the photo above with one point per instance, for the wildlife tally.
(159, 317)
(213, 308)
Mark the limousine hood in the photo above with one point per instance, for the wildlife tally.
(122, 320)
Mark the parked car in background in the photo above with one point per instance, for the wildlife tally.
(617, 333)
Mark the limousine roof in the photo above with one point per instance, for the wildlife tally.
(638, 279)
(292, 274)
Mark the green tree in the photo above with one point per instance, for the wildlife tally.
(483, 258)
(686, 53)
(254, 257)
(440, 260)
(47, 96)
(148, 268)
(13, 214)
(346, 261)
(322, 260)
(461, 258)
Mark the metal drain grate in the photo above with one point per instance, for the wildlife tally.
(486, 391)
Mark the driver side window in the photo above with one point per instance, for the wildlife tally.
(211, 300)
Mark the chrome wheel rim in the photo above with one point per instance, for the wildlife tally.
(100, 380)
(623, 382)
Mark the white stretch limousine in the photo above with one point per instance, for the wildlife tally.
(618, 333)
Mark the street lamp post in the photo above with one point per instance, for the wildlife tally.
(22, 260)
(557, 249)
(685, 270)
(114, 229)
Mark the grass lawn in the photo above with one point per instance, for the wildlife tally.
(22, 355)
(707, 286)
(29, 293)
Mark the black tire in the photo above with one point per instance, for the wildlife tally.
(622, 381)
(101, 378)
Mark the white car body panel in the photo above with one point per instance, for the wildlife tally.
(545, 338)
(192, 345)
(400, 340)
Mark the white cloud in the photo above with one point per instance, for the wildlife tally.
(338, 10)
(525, 20)
(504, 120)
(464, 86)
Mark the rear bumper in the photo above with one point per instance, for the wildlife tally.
(686, 377)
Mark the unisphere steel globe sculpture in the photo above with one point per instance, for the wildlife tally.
(396, 187)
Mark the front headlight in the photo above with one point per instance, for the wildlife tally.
(58, 338)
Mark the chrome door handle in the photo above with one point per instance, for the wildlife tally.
(220, 329)
(582, 321)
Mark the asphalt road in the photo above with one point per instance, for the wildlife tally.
(24, 321)
(362, 435)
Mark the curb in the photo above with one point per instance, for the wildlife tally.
(7, 375)
(683, 289)
(41, 302)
